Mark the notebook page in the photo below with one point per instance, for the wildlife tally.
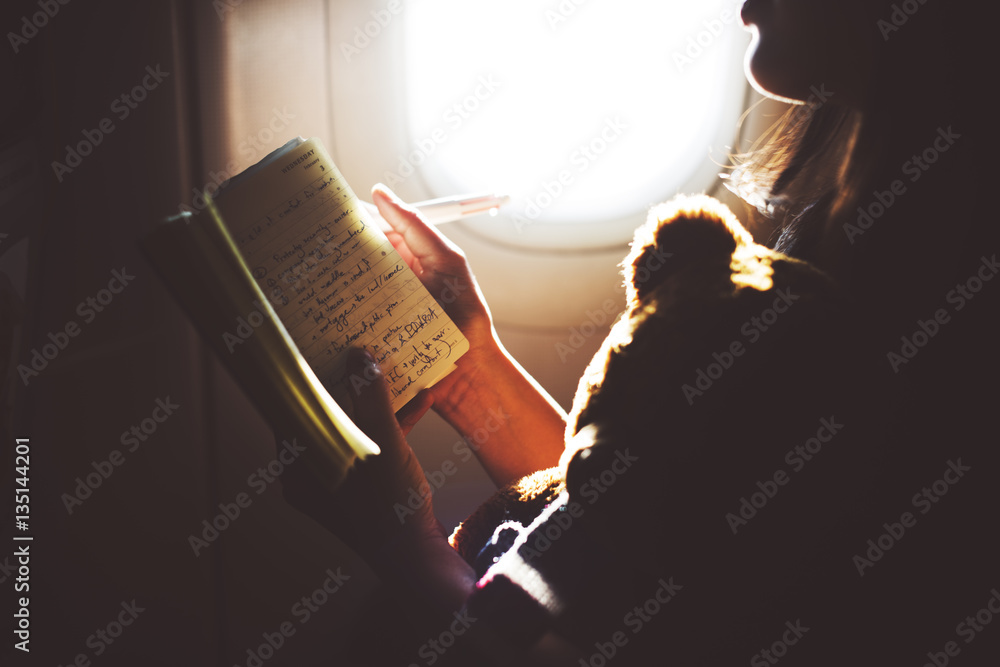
(333, 278)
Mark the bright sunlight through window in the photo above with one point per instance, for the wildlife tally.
(584, 111)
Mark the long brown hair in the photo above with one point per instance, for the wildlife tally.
(803, 170)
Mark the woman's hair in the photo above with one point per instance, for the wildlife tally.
(805, 169)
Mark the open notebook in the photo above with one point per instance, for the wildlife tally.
(285, 273)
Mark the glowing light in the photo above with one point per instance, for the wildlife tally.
(584, 116)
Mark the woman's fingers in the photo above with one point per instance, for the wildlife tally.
(373, 411)
(400, 245)
(410, 414)
(424, 241)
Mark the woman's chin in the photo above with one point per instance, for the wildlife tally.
(752, 68)
(766, 78)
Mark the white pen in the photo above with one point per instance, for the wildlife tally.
(447, 209)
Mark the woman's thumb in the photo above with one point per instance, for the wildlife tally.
(373, 411)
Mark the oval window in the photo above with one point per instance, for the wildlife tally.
(585, 111)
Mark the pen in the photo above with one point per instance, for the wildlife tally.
(447, 209)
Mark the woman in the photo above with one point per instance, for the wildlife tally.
(879, 183)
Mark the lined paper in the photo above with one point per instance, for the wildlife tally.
(333, 277)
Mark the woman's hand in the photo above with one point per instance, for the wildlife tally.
(373, 509)
(444, 270)
(439, 264)
(509, 421)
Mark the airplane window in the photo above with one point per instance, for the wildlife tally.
(584, 111)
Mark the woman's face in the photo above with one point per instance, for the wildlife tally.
(804, 46)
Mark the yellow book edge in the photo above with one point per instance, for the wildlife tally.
(201, 266)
